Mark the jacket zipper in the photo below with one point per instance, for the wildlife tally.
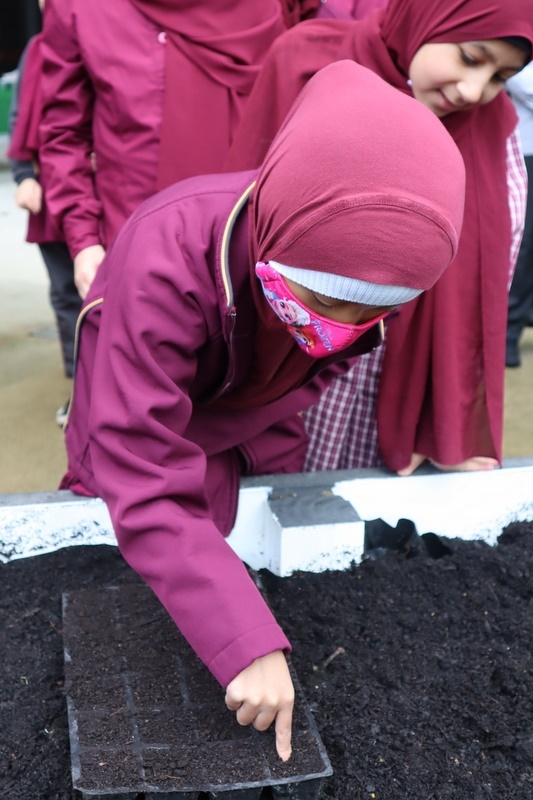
(231, 311)
(83, 313)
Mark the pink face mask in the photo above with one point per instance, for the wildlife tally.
(318, 336)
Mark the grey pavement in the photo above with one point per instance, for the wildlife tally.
(32, 385)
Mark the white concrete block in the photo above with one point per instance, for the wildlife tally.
(294, 523)
(467, 505)
(313, 548)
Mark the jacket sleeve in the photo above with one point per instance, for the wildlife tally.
(66, 130)
(150, 475)
(19, 169)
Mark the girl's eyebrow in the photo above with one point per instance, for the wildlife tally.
(487, 52)
(490, 56)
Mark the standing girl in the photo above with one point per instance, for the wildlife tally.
(436, 392)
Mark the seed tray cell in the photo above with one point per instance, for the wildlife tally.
(147, 720)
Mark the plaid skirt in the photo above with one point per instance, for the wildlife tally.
(342, 426)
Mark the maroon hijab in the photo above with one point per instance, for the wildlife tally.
(442, 386)
(215, 49)
(338, 187)
(441, 391)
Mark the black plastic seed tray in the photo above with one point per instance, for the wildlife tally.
(147, 720)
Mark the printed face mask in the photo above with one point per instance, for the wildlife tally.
(318, 336)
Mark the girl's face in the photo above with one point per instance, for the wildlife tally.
(457, 77)
(336, 310)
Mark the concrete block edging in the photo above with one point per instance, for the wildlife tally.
(311, 521)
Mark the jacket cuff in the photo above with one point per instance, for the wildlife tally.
(78, 237)
(240, 653)
(21, 170)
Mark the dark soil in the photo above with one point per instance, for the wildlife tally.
(419, 671)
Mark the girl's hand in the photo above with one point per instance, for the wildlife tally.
(29, 195)
(86, 265)
(474, 464)
(262, 693)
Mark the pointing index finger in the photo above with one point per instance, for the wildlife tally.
(283, 733)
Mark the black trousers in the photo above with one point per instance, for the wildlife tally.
(521, 292)
(64, 298)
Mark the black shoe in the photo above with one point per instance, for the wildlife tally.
(512, 355)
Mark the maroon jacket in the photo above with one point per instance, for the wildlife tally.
(91, 108)
(131, 105)
(167, 327)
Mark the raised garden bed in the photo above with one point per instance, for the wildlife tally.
(419, 671)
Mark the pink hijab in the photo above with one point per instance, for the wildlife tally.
(215, 49)
(351, 193)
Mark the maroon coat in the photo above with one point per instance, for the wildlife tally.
(165, 329)
(94, 105)
(131, 106)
